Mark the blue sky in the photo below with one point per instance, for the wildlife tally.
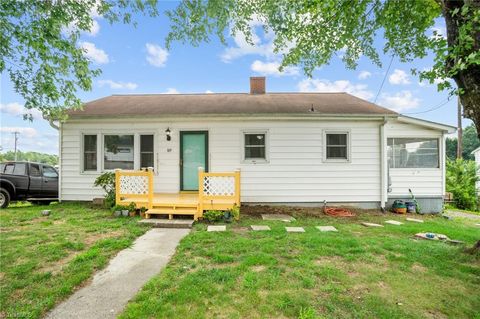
(133, 60)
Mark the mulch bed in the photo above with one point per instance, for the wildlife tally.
(296, 211)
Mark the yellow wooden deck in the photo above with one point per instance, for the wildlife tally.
(171, 204)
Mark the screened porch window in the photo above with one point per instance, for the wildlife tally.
(90, 152)
(336, 146)
(255, 146)
(413, 153)
(118, 152)
(146, 151)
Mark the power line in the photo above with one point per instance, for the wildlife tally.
(436, 107)
(384, 78)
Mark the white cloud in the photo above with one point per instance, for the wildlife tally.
(29, 139)
(209, 92)
(94, 29)
(364, 75)
(16, 109)
(262, 44)
(320, 85)
(400, 101)
(271, 68)
(26, 131)
(118, 85)
(93, 53)
(399, 77)
(156, 55)
(171, 91)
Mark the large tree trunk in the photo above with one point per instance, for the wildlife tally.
(467, 80)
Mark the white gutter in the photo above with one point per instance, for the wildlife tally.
(383, 166)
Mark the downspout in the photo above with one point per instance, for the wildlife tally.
(60, 164)
(383, 166)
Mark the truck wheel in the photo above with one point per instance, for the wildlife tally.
(4, 198)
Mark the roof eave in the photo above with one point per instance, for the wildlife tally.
(433, 125)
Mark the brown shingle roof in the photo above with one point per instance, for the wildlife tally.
(229, 103)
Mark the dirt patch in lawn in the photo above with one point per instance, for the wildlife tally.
(297, 211)
(89, 241)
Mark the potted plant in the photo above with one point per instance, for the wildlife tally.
(132, 208)
(142, 211)
(117, 210)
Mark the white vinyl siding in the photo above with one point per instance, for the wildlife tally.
(295, 171)
(422, 181)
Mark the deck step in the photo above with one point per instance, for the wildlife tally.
(171, 211)
(167, 223)
(158, 204)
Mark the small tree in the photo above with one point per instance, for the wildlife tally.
(107, 182)
(461, 182)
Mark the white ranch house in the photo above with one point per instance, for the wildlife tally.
(291, 148)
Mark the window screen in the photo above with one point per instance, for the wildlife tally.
(337, 146)
(118, 152)
(413, 153)
(255, 146)
(90, 152)
(146, 151)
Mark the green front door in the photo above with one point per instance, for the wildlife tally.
(193, 154)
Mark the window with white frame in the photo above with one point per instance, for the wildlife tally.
(146, 151)
(89, 152)
(255, 146)
(336, 146)
(118, 151)
(413, 152)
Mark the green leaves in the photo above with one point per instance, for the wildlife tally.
(39, 48)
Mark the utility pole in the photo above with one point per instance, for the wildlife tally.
(16, 140)
(460, 131)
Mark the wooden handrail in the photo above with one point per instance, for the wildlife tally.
(149, 195)
(201, 192)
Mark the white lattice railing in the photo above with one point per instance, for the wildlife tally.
(219, 186)
(134, 185)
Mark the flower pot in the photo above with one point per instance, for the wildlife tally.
(125, 213)
(133, 214)
(117, 213)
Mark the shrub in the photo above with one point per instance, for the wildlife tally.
(235, 212)
(107, 182)
(213, 215)
(460, 181)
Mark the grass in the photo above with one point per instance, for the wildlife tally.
(43, 259)
(356, 273)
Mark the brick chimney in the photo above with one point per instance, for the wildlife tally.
(257, 85)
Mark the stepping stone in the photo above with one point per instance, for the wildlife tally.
(371, 225)
(415, 220)
(281, 217)
(326, 228)
(393, 222)
(295, 229)
(217, 228)
(259, 227)
(477, 224)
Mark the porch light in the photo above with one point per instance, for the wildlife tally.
(169, 136)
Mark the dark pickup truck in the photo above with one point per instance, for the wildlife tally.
(33, 182)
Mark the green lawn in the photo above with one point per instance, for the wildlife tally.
(44, 258)
(356, 273)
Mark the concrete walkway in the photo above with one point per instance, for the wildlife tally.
(114, 286)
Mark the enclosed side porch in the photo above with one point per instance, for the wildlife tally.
(216, 191)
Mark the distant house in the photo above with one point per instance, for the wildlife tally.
(291, 148)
